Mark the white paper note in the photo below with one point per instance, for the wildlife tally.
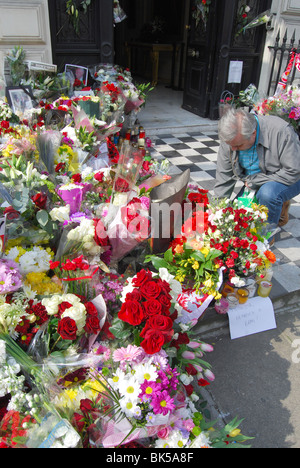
(256, 316)
(235, 72)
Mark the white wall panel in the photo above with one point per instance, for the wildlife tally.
(25, 23)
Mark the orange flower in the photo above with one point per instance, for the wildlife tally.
(179, 249)
(270, 256)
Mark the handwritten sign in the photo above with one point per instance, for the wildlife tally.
(256, 316)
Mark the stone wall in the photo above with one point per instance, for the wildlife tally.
(25, 23)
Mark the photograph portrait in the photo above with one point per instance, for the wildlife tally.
(19, 98)
(79, 73)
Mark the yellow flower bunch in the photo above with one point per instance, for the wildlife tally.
(65, 154)
(93, 386)
(42, 284)
(8, 151)
(19, 249)
(195, 268)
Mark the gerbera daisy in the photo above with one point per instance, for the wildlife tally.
(131, 353)
(162, 403)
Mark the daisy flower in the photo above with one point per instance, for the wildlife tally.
(145, 371)
(129, 408)
(118, 376)
(148, 389)
(162, 403)
(129, 388)
(177, 440)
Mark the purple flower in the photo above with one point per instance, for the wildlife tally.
(148, 389)
(10, 276)
(109, 296)
(162, 403)
(75, 218)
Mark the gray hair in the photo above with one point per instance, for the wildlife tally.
(237, 121)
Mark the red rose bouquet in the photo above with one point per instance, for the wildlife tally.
(147, 305)
(70, 318)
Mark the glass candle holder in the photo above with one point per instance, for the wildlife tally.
(222, 306)
(264, 288)
(251, 286)
(227, 289)
(232, 300)
(242, 295)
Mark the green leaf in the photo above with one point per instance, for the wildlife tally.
(21, 200)
(159, 263)
(198, 256)
(214, 254)
(119, 329)
(168, 256)
(42, 218)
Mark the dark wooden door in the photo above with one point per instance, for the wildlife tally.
(93, 44)
(201, 43)
(212, 49)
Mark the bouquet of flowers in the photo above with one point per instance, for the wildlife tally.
(71, 317)
(285, 105)
(148, 311)
(31, 259)
(239, 234)
(31, 420)
(111, 102)
(6, 113)
(144, 393)
(10, 276)
(137, 399)
(190, 257)
(85, 235)
(76, 275)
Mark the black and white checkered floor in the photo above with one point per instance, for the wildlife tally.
(198, 152)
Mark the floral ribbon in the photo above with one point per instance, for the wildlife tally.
(295, 59)
(82, 277)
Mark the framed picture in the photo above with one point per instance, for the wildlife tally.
(20, 98)
(79, 73)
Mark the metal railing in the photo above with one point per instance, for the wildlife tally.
(281, 57)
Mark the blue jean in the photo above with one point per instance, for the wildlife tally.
(273, 195)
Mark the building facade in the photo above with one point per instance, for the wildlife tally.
(35, 25)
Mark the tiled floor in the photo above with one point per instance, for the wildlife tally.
(198, 152)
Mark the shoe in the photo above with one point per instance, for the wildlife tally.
(284, 218)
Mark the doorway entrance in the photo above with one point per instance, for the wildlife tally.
(215, 45)
(168, 42)
(89, 41)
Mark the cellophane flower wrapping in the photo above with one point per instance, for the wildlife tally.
(48, 143)
(127, 220)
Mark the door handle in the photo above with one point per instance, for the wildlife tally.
(193, 53)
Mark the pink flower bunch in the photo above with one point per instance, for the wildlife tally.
(10, 276)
